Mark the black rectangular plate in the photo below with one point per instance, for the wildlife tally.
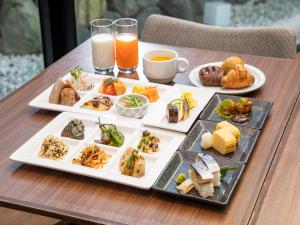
(192, 141)
(260, 111)
(180, 164)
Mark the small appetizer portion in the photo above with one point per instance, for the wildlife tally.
(211, 75)
(130, 101)
(236, 111)
(81, 80)
(150, 92)
(53, 148)
(132, 105)
(110, 135)
(224, 139)
(179, 109)
(188, 96)
(204, 175)
(74, 129)
(99, 103)
(132, 163)
(112, 86)
(92, 156)
(64, 93)
(149, 142)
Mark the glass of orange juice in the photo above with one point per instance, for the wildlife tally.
(126, 39)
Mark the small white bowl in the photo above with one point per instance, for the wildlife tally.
(137, 112)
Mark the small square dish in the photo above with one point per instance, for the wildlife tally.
(256, 119)
(166, 183)
(157, 115)
(248, 138)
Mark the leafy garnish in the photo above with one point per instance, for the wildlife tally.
(243, 100)
(225, 170)
(219, 114)
(133, 101)
(75, 72)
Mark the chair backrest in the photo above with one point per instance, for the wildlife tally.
(264, 41)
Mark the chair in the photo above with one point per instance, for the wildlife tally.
(275, 42)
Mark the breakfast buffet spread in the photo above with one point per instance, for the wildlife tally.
(182, 140)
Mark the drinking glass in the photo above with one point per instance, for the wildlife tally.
(103, 48)
(126, 39)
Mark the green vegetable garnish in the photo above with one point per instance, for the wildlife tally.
(116, 138)
(225, 170)
(131, 160)
(75, 72)
(226, 103)
(133, 101)
(243, 100)
(180, 178)
(219, 114)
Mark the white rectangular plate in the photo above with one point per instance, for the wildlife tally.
(41, 101)
(155, 162)
(156, 116)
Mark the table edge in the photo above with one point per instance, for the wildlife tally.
(53, 212)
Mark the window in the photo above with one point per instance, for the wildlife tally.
(20, 44)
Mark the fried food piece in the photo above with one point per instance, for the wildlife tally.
(227, 107)
(68, 95)
(54, 96)
(244, 106)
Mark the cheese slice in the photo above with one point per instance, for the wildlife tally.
(233, 129)
(223, 141)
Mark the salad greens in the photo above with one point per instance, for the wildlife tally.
(225, 170)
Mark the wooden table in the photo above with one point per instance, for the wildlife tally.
(66, 196)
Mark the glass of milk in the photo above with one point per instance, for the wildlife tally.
(103, 48)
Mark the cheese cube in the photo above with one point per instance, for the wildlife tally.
(223, 141)
(233, 129)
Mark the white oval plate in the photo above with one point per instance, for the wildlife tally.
(260, 79)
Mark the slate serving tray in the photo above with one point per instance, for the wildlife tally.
(180, 164)
(260, 111)
(192, 141)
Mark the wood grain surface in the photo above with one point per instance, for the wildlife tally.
(279, 201)
(63, 195)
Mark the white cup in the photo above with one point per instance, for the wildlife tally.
(163, 71)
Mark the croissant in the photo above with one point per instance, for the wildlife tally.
(236, 78)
